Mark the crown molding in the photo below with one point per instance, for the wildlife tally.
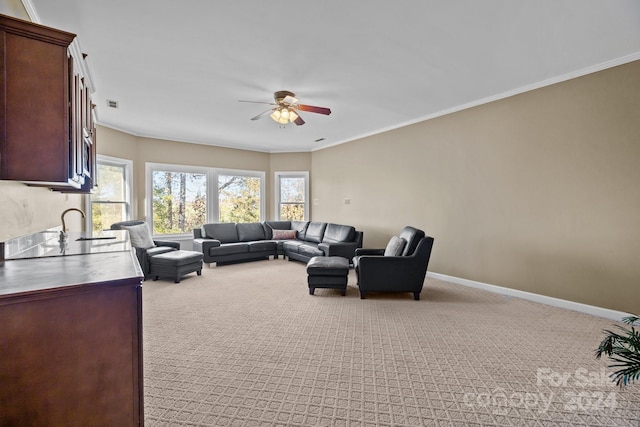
(31, 11)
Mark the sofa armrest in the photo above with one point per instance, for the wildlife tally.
(342, 249)
(362, 251)
(203, 245)
(170, 243)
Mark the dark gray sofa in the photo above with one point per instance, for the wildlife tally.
(235, 242)
(320, 239)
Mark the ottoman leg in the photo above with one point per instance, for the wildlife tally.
(311, 291)
(199, 272)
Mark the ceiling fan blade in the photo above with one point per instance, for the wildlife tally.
(257, 102)
(312, 109)
(299, 121)
(261, 114)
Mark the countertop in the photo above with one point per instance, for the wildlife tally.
(48, 244)
(83, 263)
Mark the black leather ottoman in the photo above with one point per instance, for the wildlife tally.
(175, 264)
(328, 272)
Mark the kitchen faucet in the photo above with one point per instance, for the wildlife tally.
(64, 225)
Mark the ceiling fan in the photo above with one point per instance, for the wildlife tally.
(286, 108)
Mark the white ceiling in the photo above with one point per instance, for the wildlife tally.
(178, 68)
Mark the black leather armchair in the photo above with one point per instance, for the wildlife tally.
(402, 273)
(143, 254)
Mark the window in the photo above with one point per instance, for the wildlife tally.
(179, 201)
(239, 198)
(185, 197)
(292, 189)
(111, 199)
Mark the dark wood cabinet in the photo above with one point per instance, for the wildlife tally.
(71, 355)
(47, 135)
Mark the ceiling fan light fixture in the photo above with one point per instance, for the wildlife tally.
(283, 115)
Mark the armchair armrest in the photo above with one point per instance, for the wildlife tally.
(396, 273)
(141, 254)
(362, 251)
(170, 243)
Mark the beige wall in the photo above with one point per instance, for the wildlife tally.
(25, 210)
(537, 192)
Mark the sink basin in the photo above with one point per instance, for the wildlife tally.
(95, 238)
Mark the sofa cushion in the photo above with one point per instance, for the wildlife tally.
(310, 250)
(262, 246)
(336, 233)
(139, 235)
(230, 249)
(226, 232)
(284, 234)
(315, 232)
(292, 245)
(300, 227)
(395, 246)
(250, 231)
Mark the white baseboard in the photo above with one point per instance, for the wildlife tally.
(543, 299)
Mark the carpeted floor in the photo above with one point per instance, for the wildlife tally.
(246, 345)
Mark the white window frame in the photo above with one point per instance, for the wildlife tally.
(212, 189)
(258, 174)
(291, 174)
(128, 190)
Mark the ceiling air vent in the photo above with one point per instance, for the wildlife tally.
(112, 104)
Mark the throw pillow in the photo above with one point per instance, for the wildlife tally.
(395, 246)
(284, 234)
(140, 236)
